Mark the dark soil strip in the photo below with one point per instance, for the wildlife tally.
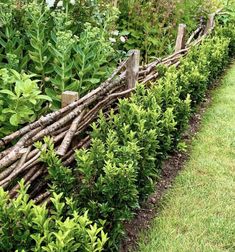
(152, 207)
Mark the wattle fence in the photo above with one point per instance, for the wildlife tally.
(68, 126)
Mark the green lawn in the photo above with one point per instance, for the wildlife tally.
(199, 211)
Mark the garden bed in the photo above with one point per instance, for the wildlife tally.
(170, 169)
(100, 156)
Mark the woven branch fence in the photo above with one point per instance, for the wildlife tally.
(68, 126)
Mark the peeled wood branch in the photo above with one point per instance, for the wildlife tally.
(46, 201)
(37, 187)
(194, 34)
(50, 118)
(18, 150)
(41, 197)
(5, 182)
(69, 135)
(7, 171)
(30, 161)
(149, 78)
(93, 112)
(26, 178)
(149, 68)
(11, 168)
(5, 152)
(152, 66)
(61, 130)
(36, 174)
(12, 157)
(58, 124)
(77, 147)
(71, 158)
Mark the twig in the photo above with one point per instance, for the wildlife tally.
(41, 197)
(69, 135)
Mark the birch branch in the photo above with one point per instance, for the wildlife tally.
(69, 135)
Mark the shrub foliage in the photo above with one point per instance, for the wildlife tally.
(25, 226)
(125, 158)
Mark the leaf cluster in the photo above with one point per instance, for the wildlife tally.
(25, 226)
(20, 99)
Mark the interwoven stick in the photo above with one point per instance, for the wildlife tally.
(26, 177)
(67, 124)
(51, 117)
(69, 135)
(41, 197)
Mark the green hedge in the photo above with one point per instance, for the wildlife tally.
(124, 161)
(126, 154)
(25, 226)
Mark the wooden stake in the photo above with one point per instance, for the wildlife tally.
(210, 23)
(180, 41)
(132, 69)
(68, 97)
(115, 3)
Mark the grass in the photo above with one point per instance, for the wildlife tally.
(198, 213)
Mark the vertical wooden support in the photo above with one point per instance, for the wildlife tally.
(68, 97)
(180, 41)
(132, 68)
(210, 23)
(115, 3)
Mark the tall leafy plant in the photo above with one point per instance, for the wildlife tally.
(12, 41)
(55, 49)
(36, 17)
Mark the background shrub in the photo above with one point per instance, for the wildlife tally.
(20, 100)
(152, 25)
(64, 52)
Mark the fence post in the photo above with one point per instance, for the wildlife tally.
(68, 97)
(180, 41)
(210, 23)
(115, 3)
(132, 68)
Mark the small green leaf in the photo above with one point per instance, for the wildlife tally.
(14, 120)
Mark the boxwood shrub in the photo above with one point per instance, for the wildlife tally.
(25, 226)
(124, 161)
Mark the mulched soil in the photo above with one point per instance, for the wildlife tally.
(171, 167)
